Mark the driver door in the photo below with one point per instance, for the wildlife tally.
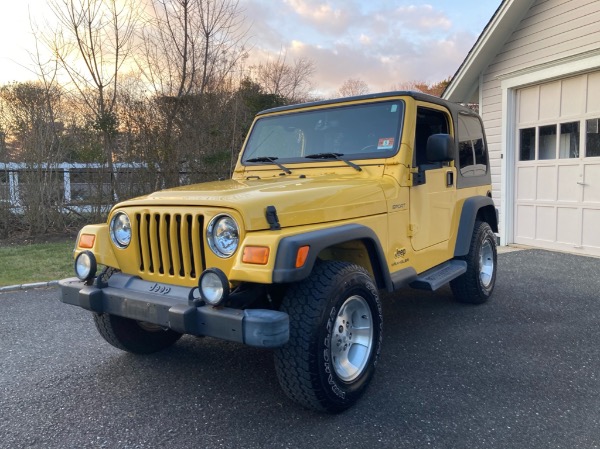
(433, 193)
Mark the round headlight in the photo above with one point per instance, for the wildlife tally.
(223, 235)
(85, 266)
(120, 230)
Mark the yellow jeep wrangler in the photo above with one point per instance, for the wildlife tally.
(330, 203)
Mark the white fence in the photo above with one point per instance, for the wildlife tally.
(79, 187)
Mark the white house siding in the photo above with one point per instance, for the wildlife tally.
(552, 30)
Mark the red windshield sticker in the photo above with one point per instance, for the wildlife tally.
(386, 143)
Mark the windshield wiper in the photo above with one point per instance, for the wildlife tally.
(334, 156)
(272, 160)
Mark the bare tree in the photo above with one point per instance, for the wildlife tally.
(29, 112)
(91, 45)
(352, 87)
(289, 81)
(190, 48)
(436, 89)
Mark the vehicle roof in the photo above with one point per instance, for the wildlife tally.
(453, 107)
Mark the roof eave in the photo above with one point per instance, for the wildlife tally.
(504, 21)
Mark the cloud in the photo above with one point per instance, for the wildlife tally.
(328, 17)
(380, 44)
(317, 11)
(422, 17)
(262, 19)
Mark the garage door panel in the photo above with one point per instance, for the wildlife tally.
(573, 96)
(568, 189)
(546, 184)
(591, 232)
(545, 228)
(591, 189)
(567, 226)
(526, 221)
(550, 101)
(526, 182)
(593, 93)
(529, 100)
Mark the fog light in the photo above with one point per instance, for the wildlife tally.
(213, 286)
(86, 266)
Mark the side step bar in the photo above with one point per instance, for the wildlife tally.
(440, 275)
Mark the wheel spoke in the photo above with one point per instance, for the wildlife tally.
(345, 368)
(362, 336)
(357, 354)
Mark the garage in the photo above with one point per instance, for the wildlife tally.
(534, 75)
(557, 173)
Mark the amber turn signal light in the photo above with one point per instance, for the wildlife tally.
(87, 240)
(258, 255)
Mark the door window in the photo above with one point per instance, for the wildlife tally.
(429, 122)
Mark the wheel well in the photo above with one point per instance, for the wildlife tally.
(351, 242)
(475, 208)
(361, 252)
(488, 214)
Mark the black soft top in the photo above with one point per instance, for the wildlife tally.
(453, 107)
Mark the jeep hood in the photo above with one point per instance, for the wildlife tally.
(299, 201)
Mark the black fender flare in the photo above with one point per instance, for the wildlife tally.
(482, 206)
(285, 270)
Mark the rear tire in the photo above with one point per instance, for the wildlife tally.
(335, 337)
(134, 336)
(477, 284)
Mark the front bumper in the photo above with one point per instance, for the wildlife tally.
(173, 307)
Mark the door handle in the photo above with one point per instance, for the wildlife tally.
(581, 183)
(449, 179)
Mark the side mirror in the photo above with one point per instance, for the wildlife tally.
(440, 148)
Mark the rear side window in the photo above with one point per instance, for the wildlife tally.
(472, 152)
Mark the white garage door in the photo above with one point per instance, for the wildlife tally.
(557, 176)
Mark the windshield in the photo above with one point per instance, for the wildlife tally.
(361, 131)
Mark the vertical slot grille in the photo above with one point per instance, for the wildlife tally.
(170, 244)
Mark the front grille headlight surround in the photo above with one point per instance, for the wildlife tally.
(120, 230)
(223, 235)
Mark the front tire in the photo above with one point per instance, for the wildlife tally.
(477, 284)
(335, 337)
(134, 336)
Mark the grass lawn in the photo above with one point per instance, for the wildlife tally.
(36, 262)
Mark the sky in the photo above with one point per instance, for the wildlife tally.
(384, 43)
